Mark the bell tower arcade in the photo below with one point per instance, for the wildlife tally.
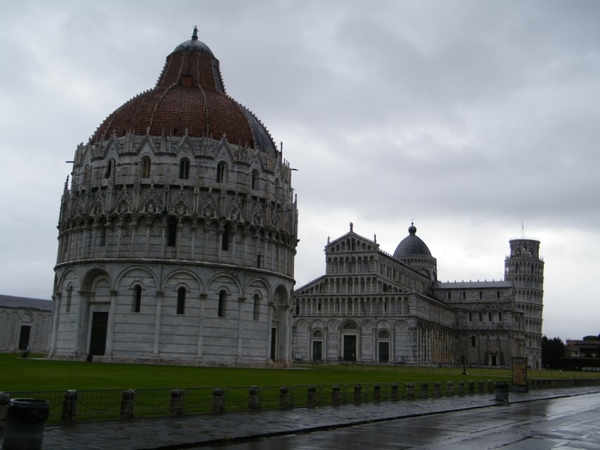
(525, 269)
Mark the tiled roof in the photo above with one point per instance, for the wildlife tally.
(9, 301)
(189, 97)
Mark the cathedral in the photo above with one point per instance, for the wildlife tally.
(374, 307)
(177, 235)
(178, 231)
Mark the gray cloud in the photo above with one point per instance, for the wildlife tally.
(468, 117)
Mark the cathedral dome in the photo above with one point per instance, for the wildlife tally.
(411, 245)
(188, 99)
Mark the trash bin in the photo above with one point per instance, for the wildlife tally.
(501, 391)
(25, 424)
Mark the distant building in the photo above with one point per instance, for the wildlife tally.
(178, 232)
(24, 324)
(582, 348)
(371, 306)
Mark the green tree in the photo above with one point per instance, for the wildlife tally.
(552, 350)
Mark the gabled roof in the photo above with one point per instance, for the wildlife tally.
(9, 301)
(357, 236)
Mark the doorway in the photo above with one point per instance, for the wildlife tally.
(384, 352)
(24, 337)
(273, 343)
(98, 335)
(349, 348)
(317, 350)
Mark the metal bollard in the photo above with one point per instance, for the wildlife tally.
(25, 424)
(471, 387)
(437, 389)
(394, 392)
(449, 388)
(461, 388)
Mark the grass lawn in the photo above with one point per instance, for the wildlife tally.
(37, 374)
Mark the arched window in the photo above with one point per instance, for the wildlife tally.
(110, 167)
(350, 326)
(181, 300)
(222, 303)
(69, 298)
(254, 179)
(225, 238)
(137, 298)
(473, 341)
(172, 232)
(384, 334)
(146, 164)
(184, 169)
(221, 172)
(256, 312)
(102, 231)
(317, 333)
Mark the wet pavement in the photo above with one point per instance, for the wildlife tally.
(444, 420)
(561, 423)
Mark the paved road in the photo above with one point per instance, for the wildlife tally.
(562, 423)
(429, 423)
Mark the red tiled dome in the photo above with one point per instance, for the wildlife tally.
(189, 97)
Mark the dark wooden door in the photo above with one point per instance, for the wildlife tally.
(98, 337)
(349, 348)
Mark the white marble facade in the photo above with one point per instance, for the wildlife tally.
(178, 231)
(374, 307)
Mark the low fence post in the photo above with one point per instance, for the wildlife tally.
(376, 392)
(461, 388)
(394, 392)
(357, 393)
(490, 386)
(410, 390)
(424, 390)
(449, 388)
(218, 405)
(471, 387)
(335, 395)
(176, 402)
(481, 387)
(4, 401)
(284, 397)
(69, 409)
(437, 389)
(311, 398)
(128, 396)
(253, 402)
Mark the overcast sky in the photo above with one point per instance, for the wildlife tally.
(477, 120)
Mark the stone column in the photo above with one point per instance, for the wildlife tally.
(110, 329)
(200, 350)
(240, 328)
(157, 320)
